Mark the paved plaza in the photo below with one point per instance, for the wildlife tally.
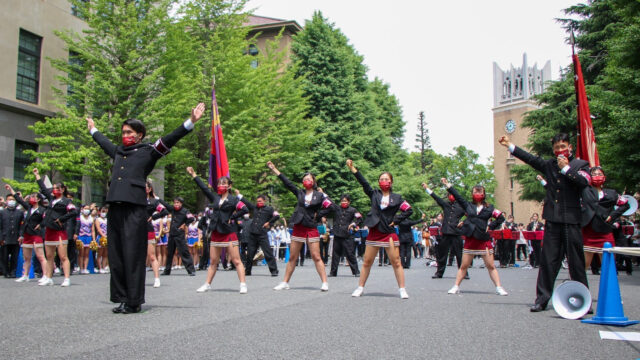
(305, 323)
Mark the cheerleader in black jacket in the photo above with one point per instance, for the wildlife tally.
(387, 210)
(225, 209)
(475, 229)
(599, 215)
(60, 210)
(30, 232)
(311, 206)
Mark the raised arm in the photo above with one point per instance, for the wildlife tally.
(205, 189)
(365, 184)
(461, 200)
(287, 183)
(163, 145)
(535, 162)
(435, 197)
(106, 144)
(43, 189)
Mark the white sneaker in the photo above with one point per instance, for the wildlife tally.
(282, 286)
(102, 271)
(85, 272)
(403, 293)
(156, 283)
(96, 270)
(243, 288)
(66, 282)
(324, 287)
(149, 269)
(204, 288)
(454, 290)
(358, 291)
(161, 268)
(501, 291)
(46, 282)
(56, 271)
(23, 278)
(42, 279)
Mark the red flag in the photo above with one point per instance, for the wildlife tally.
(586, 144)
(218, 165)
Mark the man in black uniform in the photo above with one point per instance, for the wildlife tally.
(536, 247)
(264, 217)
(452, 213)
(345, 220)
(127, 218)
(566, 178)
(203, 225)
(406, 239)
(180, 219)
(245, 226)
(10, 221)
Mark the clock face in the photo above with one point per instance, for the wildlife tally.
(510, 126)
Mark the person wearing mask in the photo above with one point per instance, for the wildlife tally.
(85, 232)
(406, 239)
(566, 178)
(10, 222)
(452, 213)
(155, 211)
(133, 161)
(225, 210)
(475, 229)
(60, 210)
(536, 246)
(507, 247)
(345, 221)
(180, 219)
(264, 217)
(30, 232)
(311, 206)
(387, 210)
(102, 257)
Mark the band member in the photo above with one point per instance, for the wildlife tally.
(60, 210)
(10, 222)
(507, 247)
(599, 215)
(155, 211)
(85, 232)
(225, 209)
(180, 219)
(101, 229)
(346, 219)
(264, 217)
(452, 212)
(127, 216)
(566, 178)
(536, 247)
(203, 225)
(31, 232)
(311, 206)
(387, 210)
(406, 239)
(475, 229)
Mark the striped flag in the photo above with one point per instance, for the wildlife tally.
(586, 143)
(218, 165)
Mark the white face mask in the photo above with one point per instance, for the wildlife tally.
(86, 212)
(104, 214)
(11, 203)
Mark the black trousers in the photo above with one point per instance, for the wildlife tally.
(521, 248)
(446, 242)
(405, 254)
(559, 240)
(244, 247)
(324, 251)
(206, 245)
(127, 229)
(346, 247)
(260, 241)
(536, 247)
(10, 258)
(178, 241)
(507, 250)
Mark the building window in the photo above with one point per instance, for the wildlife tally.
(511, 183)
(253, 51)
(21, 160)
(28, 67)
(76, 73)
(97, 192)
(512, 214)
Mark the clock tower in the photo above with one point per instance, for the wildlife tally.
(513, 90)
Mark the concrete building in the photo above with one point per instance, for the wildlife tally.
(266, 29)
(27, 77)
(513, 90)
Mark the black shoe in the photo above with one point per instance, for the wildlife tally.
(118, 309)
(165, 273)
(193, 273)
(436, 276)
(590, 312)
(273, 274)
(247, 273)
(466, 277)
(537, 308)
(380, 264)
(356, 274)
(332, 275)
(595, 272)
(131, 309)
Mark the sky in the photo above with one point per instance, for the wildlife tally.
(437, 56)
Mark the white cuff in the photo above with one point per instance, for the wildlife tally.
(239, 196)
(565, 169)
(511, 148)
(93, 130)
(543, 182)
(188, 124)
(428, 191)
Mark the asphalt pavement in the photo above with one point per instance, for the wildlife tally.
(303, 322)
